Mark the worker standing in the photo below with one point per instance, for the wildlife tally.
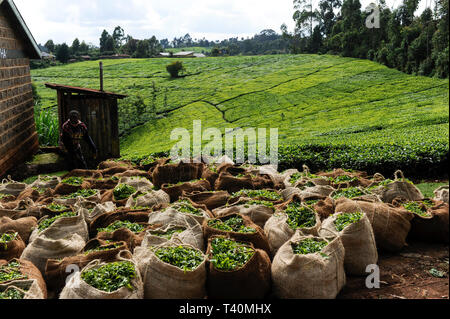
(73, 132)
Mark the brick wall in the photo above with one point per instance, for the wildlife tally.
(18, 138)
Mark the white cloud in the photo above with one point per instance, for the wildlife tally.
(64, 20)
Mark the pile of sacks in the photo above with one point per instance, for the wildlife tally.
(55, 229)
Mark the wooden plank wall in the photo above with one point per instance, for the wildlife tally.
(100, 116)
(18, 137)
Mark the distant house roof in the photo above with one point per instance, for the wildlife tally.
(34, 52)
(184, 53)
(47, 55)
(164, 54)
(74, 89)
(199, 55)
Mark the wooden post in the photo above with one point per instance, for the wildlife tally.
(101, 76)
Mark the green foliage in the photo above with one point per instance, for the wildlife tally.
(46, 223)
(345, 219)
(175, 68)
(300, 216)
(57, 208)
(103, 248)
(309, 246)
(260, 202)
(258, 194)
(111, 277)
(6, 238)
(169, 233)
(85, 193)
(229, 255)
(184, 206)
(187, 259)
(416, 208)
(134, 227)
(350, 192)
(46, 126)
(123, 191)
(74, 181)
(11, 271)
(12, 293)
(233, 224)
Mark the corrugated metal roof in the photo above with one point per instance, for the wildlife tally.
(36, 52)
(74, 89)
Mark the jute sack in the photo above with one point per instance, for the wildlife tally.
(232, 184)
(390, 225)
(67, 189)
(211, 200)
(278, 230)
(138, 182)
(72, 201)
(24, 226)
(359, 243)
(44, 248)
(191, 235)
(29, 193)
(204, 213)
(62, 227)
(398, 188)
(10, 187)
(57, 270)
(165, 281)
(259, 214)
(441, 194)
(29, 272)
(176, 191)
(272, 172)
(132, 239)
(311, 276)
(257, 238)
(85, 173)
(308, 193)
(251, 281)
(432, 227)
(12, 249)
(113, 164)
(175, 173)
(148, 198)
(29, 288)
(44, 182)
(287, 175)
(77, 288)
(306, 179)
(92, 210)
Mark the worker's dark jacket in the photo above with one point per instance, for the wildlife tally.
(72, 135)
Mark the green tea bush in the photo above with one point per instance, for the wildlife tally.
(134, 227)
(300, 216)
(233, 224)
(6, 238)
(345, 219)
(46, 223)
(175, 68)
(123, 191)
(10, 271)
(309, 246)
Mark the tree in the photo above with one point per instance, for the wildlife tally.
(103, 39)
(84, 48)
(175, 68)
(142, 49)
(327, 15)
(63, 53)
(50, 46)
(75, 48)
(118, 37)
(305, 16)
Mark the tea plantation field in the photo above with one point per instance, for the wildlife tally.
(330, 111)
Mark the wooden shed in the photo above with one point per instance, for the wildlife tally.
(18, 137)
(99, 111)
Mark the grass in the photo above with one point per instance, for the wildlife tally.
(428, 189)
(330, 111)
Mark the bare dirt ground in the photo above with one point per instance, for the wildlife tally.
(406, 275)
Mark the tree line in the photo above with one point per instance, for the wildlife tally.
(402, 40)
(409, 43)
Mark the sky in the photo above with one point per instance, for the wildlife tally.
(65, 20)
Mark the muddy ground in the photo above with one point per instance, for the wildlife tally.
(406, 275)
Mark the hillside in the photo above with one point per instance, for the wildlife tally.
(329, 110)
